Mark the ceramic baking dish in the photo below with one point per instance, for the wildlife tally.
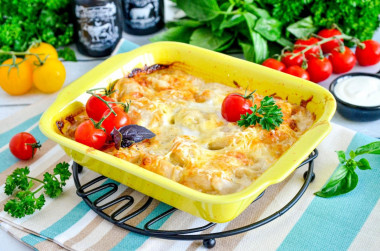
(212, 67)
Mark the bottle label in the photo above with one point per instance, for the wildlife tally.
(142, 14)
(98, 28)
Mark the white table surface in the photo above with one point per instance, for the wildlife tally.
(10, 104)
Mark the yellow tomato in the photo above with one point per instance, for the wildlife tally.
(43, 50)
(16, 81)
(50, 76)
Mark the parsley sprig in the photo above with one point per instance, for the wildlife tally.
(26, 201)
(268, 115)
(345, 179)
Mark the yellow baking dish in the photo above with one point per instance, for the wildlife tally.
(210, 66)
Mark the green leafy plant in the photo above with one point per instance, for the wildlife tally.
(356, 18)
(269, 115)
(26, 201)
(260, 28)
(25, 21)
(345, 178)
(67, 54)
(227, 26)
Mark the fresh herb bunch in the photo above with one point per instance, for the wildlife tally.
(25, 21)
(261, 28)
(354, 17)
(229, 26)
(269, 115)
(345, 178)
(25, 201)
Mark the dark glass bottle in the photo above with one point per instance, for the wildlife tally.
(98, 26)
(142, 17)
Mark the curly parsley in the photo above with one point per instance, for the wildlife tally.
(26, 201)
(25, 21)
(269, 115)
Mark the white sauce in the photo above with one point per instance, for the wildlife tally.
(188, 132)
(359, 90)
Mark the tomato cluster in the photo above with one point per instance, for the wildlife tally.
(316, 58)
(105, 115)
(40, 67)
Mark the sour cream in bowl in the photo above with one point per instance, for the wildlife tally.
(358, 96)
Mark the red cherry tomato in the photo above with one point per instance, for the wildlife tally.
(112, 121)
(302, 44)
(331, 45)
(319, 69)
(342, 61)
(297, 71)
(95, 107)
(89, 135)
(369, 55)
(234, 105)
(23, 145)
(274, 64)
(289, 61)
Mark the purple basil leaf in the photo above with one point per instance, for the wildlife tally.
(117, 138)
(134, 134)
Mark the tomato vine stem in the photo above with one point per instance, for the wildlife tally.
(324, 40)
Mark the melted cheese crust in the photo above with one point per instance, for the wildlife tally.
(194, 145)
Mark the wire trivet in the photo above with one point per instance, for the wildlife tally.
(185, 234)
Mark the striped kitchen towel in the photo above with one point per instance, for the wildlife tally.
(349, 221)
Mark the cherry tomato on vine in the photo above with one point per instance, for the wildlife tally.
(288, 59)
(319, 69)
(43, 50)
(50, 76)
(331, 45)
(16, 81)
(90, 134)
(95, 108)
(369, 55)
(234, 105)
(302, 44)
(121, 119)
(342, 61)
(23, 145)
(297, 71)
(274, 64)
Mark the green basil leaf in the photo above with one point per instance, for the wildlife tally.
(202, 10)
(302, 28)
(251, 20)
(284, 42)
(260, 46)
(248, 51)
(203, 37)
(215, 24)
(227, 45)
(342, 181)
(231, 21)
(371, 148)
(341, 156)
(363, 164)
(180, 34)
(352, 154)
(257, 11)
(184, 22)
(270, 28)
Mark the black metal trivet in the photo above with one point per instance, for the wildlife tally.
(186, 234)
